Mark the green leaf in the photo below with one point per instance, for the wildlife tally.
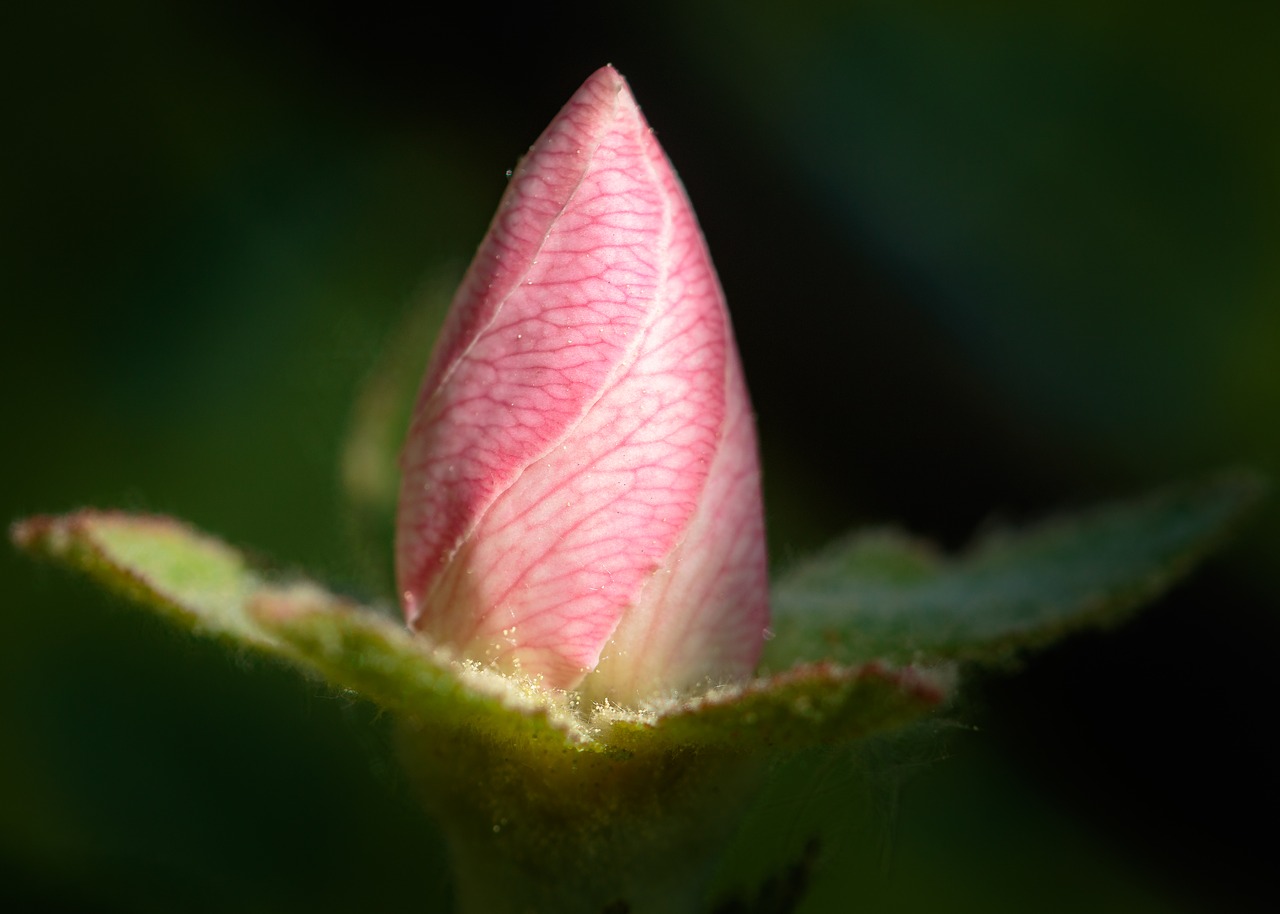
(192, 579)
(364, 651)
(842, 619)
(207, 587)
(812, 704)
(883, 595)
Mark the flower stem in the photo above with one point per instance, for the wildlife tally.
(558, 828)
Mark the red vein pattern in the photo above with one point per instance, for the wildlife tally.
(580, 496)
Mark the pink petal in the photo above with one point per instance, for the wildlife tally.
(582, 452)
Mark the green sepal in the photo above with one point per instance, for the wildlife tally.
(192, 579)
(883, 595)
(556, 806)
(209, 588)
(360, 650)
(808, 705)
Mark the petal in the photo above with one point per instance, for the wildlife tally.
(561, 444)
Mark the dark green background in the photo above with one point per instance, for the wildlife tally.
(985, 261)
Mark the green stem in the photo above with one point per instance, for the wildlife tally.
(554, 828)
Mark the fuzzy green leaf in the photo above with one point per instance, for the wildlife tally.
(809, 705)
(363, 651)
(192, 579)
(207, 587)
(883, 595)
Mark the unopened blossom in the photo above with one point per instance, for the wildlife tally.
(581, 497)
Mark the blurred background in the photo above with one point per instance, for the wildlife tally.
(985, 262)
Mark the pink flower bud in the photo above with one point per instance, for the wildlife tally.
(581, 492)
